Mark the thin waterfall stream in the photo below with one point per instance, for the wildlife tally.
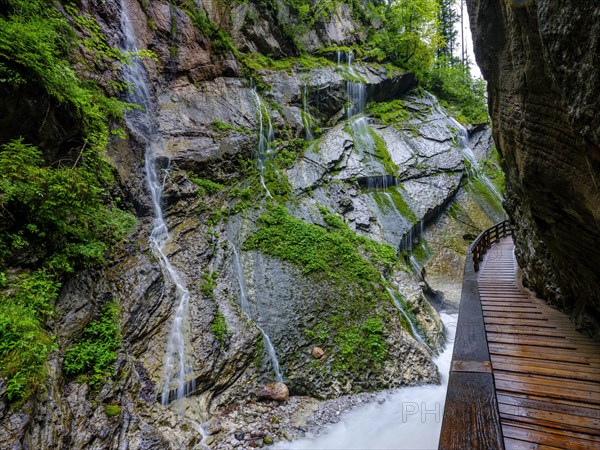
(266, 136)
(239, 274)
(144, 124)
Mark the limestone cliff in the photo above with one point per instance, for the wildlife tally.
(542, 62)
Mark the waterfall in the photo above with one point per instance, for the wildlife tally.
(400, 306)
(144, 124)
(409, 418)
(306, 117)
(266, 135)
(378, 182)
(475, 170)
(356, 90)
(239, 273)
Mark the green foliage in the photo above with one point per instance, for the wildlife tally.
(56, 214)
(112, 410)
(95, 353)
(221, 42)
(24, 343)
(209, 284)
(407, 36)
(219, 328)
(336, 251)
(453, 83)
(222, 127)
(204, 186)
(390, 113)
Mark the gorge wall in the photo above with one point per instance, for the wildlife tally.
(542, 62)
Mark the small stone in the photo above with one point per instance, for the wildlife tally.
(317, 352)
(260, 443)
(274, 391)
(239, 435)
(381, 401)
(213, 426)
(234, 442)
(267, 440)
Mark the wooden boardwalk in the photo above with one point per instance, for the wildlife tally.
(546, 374)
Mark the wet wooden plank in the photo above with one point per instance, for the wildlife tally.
(471, 418)
(547, 436)
(593, 388)
(558, 367)
(571, 408)
(545, 390)
(514, 444)
(545, 353)
(550, 419)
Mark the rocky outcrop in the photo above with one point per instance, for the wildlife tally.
(542, 63)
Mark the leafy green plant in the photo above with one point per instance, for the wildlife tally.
(96, 351)
(56, 215)
(209, 284)
(219, 328)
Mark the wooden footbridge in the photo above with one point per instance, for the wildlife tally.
(521, 376)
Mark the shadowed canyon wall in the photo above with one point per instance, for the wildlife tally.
(542, 63)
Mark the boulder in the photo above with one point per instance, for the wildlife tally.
(277, 391)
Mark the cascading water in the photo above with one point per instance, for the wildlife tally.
(143, 123)
(410, 417)
(306, 117)
(239, 273)
(266, 136)
(474, 170)
(413, 328)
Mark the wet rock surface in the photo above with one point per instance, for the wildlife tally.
(542, 67)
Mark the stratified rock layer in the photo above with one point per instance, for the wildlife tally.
(542, 63)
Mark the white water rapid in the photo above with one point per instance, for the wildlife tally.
(409, 418)
(143, 123)
(239, 273)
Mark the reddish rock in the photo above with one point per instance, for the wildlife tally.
(274, 391)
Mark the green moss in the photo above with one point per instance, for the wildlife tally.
(222, 127)
(205, 186)
(390, 113)
(484, 195)
(492, 168)
(288, 154)
(401, 205)
(112, 410)
(335, 251)
(381, 150)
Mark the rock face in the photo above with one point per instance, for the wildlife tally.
(542, 63)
